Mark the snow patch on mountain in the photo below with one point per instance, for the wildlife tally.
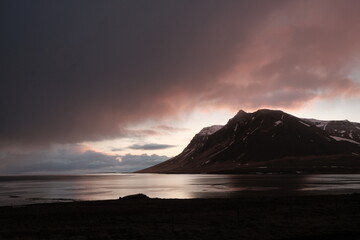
(344, 139)
(277, 123)
(304, 124)
(318, 123)
(210, 130)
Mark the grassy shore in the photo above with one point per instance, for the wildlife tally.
(300, 217)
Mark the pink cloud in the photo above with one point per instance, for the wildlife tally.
(168, 59)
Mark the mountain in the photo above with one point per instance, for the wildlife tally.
(339, 130)
(266, 141)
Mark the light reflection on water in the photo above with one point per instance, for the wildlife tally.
(16, 190)
(335, 183)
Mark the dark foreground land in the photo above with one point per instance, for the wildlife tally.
(306, 217)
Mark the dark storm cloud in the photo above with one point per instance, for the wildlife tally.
(73, 71)
(150, 146)
(80, 70)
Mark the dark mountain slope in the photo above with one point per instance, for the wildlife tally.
(252, 138)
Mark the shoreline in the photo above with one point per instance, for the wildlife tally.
(250, 217)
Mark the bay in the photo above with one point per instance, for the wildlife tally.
(20, 190)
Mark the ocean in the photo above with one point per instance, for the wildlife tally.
(20, 190)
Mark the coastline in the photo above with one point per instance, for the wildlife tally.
(251, 217)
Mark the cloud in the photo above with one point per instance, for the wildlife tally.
(150, 146)
(138, 133)
(153, 131)
(137, 162)
(116, 149)
(170, 128)
(73, 159)
(91, 69)
(85, 71)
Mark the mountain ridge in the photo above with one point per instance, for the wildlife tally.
(264, 136)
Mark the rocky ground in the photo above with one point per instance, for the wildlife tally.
(304, 217)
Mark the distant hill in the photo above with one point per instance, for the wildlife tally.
(269, 141)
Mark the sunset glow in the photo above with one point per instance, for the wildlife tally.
(130, 87)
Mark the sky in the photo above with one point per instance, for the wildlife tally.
(119, 85)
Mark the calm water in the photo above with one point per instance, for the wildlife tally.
(16, 190)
